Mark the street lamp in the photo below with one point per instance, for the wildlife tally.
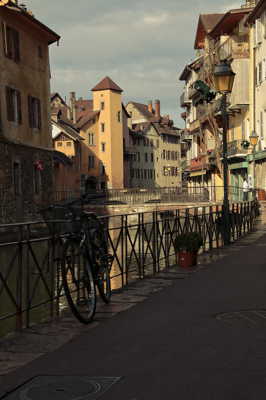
(254, 141)
(223, 81)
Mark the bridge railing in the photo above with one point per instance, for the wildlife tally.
(142, 244)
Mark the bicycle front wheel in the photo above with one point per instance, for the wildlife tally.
(78, 282)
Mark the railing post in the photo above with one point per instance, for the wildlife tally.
(19, 319)
(154, 241)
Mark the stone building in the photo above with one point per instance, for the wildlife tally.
(155, 147)
(26, 156)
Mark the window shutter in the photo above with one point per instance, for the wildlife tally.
(16, 46)
(19, 107)
(39, 114)
(30, 111)
(9, 104)
(4, 38)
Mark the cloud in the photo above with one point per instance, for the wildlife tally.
(141, 45)
(156, 19)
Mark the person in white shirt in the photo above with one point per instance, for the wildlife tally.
(245, 190)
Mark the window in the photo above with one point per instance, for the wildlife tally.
(260, 73)
(145, 174)
(13, 104)
(91, 139)
(261, 124)
(59, 144)
(34, 108)
(151, 142)
(17, 177)
(163, 155)
(146, 157)
(102, 127)
(102, 105)
(103, 146)
(102, 169)
(40, 53)
(138, 156)
(11, 43)
(243, 129)
(119, 116)
(151, 157)
(69, 144)
(91, 162)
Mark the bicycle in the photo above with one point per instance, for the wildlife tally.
(85, 261)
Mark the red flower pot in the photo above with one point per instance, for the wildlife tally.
(185, 259)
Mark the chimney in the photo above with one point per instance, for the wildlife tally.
(73, 107)
(157, 109)
(150, 106)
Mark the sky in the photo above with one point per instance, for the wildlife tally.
(143, 45)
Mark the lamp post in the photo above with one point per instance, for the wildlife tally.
(224, 80)
(253, 141)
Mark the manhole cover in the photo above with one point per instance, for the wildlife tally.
(244, 317)
(62, 388)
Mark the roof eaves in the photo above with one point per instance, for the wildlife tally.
(256, 12)
(54, 37)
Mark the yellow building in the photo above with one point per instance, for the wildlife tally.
(101, 124)
(26, 157)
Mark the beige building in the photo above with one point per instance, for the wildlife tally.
(26, 157)
(257, 24)
(219, 37)
(156, 147)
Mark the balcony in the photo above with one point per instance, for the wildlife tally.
(199, 163)
(206, 110)
(235, 149)
(184, 100)
(233, 47)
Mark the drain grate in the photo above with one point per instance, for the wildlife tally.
(249, 318)
(63, 388)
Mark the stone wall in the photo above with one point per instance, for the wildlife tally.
(22, 206)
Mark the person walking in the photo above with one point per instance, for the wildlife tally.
(245, 190)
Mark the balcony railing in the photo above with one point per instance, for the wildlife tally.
(234, 47)
(184, 100)
(235, 148)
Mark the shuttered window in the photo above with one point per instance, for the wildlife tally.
(17, 178)
(11, 42)
(13, 105)
(34, 108)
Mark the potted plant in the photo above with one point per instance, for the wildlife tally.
(187, 246)
(245, 144)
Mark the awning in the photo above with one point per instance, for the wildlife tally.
(238, 165)
(198, 173)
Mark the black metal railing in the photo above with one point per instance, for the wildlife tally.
(142, 244)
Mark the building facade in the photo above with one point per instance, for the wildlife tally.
(220, 37)
(257, 24)
(155, 144)
(26, 156)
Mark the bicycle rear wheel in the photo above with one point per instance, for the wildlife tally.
(99, 249)
(78, 282)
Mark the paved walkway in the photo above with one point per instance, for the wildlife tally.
(198, 335)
